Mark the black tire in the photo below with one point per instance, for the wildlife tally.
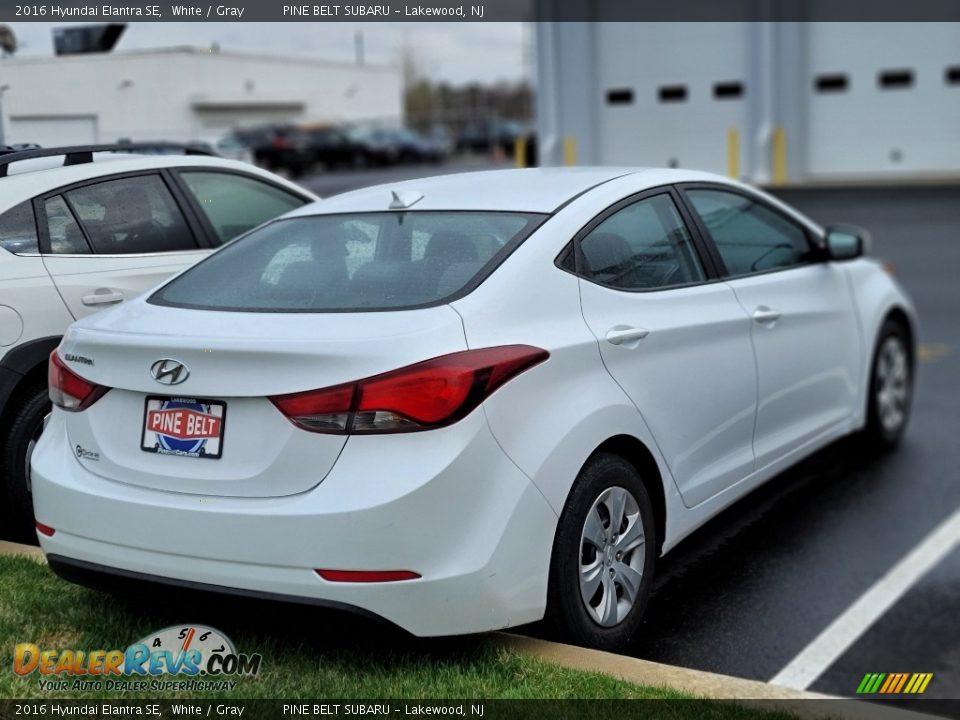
(567, 611)
(29, 409)
(881, 434)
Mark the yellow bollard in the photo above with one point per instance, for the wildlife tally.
(779, 156)
(520, 152)
(733, 153)
(569, 150)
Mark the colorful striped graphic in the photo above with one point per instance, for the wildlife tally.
(894, 683)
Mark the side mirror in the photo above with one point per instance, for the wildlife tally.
(845, 242)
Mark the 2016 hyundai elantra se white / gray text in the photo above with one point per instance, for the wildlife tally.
(467, 402)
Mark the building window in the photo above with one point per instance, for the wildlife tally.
(952, 75)
(620, 96)
(672, 93)
(831, 83)
(728, 90)
(895, 79)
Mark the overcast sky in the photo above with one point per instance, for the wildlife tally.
(456, 52)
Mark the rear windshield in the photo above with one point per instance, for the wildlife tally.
(362, 262)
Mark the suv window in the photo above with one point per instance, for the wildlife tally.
(131, 215)
(750, 237)
(18, 229)
(235, 204)
(644, 246)
(66, 237)
(358, 262)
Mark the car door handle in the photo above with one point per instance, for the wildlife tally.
(102, 296)
(621, 335)
(765, 315)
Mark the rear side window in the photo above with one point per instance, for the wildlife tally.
(750, 237)
(367, 261)
(131, 215)
(235, 204)
(66, 237)
(18, 229)
(644, 246)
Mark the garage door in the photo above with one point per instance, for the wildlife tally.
(884, 98)
(662, 105)
(53, 130)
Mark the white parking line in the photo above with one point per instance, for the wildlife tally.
(801, 672)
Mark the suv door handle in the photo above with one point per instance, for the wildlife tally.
(765, 315)
(621, 335)
(102, 296)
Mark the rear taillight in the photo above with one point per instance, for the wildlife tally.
(68, 390)
(423, 396)
(45, 530)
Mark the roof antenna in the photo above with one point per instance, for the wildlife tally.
(402, 200)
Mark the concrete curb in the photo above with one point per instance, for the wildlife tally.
(30, 551)
(704, 684)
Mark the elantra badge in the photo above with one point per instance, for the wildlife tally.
(169, 372)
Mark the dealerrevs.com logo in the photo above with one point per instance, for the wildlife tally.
(180, 657)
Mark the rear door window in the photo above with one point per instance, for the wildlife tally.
(66, 237)
(235, 203)
(131, 215)
(368, 261)
(644, 246)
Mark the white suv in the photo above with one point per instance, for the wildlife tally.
(84, 228)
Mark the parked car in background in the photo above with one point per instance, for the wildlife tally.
(468, 402)
(482, 136)
(375, 148)
(231, 147)
(86, 228)
(335, 147)
(277, 148)
(409, 146)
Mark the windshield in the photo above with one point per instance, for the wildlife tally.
(367, 261)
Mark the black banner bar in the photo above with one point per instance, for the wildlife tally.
(299, 11)
(476, 709)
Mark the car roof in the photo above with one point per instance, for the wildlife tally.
(534, 190)
(30, 178)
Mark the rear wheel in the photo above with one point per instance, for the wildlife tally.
(604, 555)
(891, 387)
(28, 416)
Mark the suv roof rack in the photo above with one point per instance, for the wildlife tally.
(81, 154)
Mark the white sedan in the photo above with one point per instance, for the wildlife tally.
(467, 402)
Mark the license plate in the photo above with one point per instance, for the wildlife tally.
(188, 427)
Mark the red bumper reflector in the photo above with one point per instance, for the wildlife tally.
(366, 576)
(45, 529)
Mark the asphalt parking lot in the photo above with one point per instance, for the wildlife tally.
(749, 592)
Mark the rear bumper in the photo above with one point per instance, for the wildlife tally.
(447, 504)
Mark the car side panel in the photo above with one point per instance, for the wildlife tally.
(82, 278)
(875, 295)
(30, 306)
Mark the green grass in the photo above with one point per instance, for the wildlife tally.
(307, 653)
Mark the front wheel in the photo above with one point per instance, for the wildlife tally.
(891, 388)
(603, 556)
(29, 413)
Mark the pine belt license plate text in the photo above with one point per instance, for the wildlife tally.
(189, 427)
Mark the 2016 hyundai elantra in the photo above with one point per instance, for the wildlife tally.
(465, 402)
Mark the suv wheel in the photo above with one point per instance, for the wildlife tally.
(603, 556)
(28, 416)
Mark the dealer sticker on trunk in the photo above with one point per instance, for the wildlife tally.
(183, 426)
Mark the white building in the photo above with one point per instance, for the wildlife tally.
(767, 101)
(182, 94)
